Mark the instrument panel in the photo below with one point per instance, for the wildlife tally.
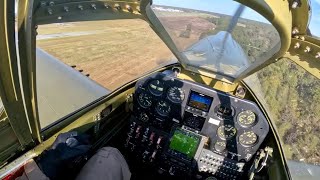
(233, 128)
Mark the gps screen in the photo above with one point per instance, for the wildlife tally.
(184, 143)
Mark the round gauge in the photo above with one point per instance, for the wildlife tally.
(176, 94)
(145, 100)
(247, 118)
(248, 138)
(226, 131)
(224, 111)
(156, 87)
(163, 108)
(220, 146)
(192, 122)
(144, 117)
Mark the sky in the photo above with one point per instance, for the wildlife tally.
(228, 7)
(314, 24)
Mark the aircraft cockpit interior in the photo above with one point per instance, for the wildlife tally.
(182, 129)
(194, 89)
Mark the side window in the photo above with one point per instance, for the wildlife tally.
(291, 96)
(78, 62)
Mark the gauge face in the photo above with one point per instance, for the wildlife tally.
(227, 131)
(192, 122)
(224, 111)
(156, 87)
(145, 100)
(176, 94)
(247, 118)
(163, 108)
(220, 146)
(248, 138)
(144, 117)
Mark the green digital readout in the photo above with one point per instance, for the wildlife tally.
(184, 143)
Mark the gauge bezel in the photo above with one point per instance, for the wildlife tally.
(250, 145)
(160, 113)
(249, 125)
(152, 90)
(138, 99)
(174, 101)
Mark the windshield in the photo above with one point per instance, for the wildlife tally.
(315, 18)
(220, 36)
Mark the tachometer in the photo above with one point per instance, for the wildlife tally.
(226, 131)
(163, 108)
(176, 94)
(156, 87)
(246, 118)
(248, 138)
(145, 100)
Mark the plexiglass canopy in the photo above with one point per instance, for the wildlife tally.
(223, 37)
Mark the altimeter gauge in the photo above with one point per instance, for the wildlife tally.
(247, 118)
(248, 138)
(226, 131)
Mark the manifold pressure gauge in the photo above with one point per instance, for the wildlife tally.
(247, 118)
(248, 138)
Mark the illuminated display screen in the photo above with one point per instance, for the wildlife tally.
(200, 101)
(183, 143)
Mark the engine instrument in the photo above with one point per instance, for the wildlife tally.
(248, 138)
(227, 131)
(246, 118)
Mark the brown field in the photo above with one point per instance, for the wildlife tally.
(113, 52)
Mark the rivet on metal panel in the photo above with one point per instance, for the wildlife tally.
(49, 10)
(297, 45)
(308, 49)
(317, 55)
(295, 30)
(51, 3)
(106, 5)
(59, 17)
(80, 7)
(94, 6)
(66, 8)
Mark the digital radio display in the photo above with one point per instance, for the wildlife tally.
(200, 101)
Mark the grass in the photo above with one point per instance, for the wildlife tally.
(117, 52)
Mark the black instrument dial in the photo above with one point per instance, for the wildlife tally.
(224, 111)
(176, 94)
(145, 100)
(248, 138)
(156, 87)
(163, 108)
(227, 131)
(247, 118)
